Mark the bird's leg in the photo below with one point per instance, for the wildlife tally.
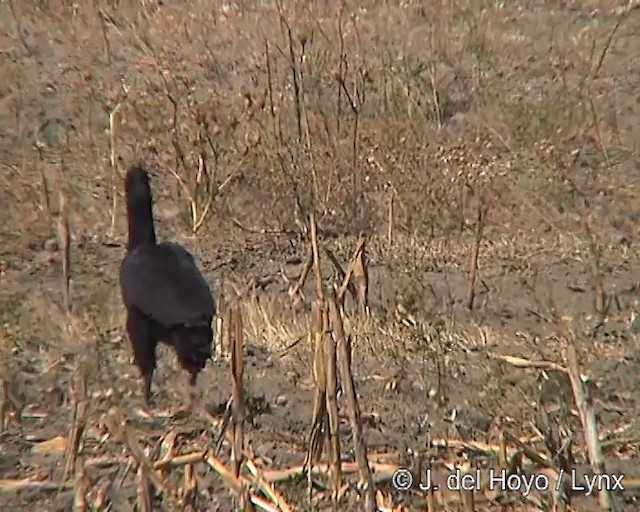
(143, 341)
(192, 390)
(146, 389)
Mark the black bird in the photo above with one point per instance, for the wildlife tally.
(167, 298)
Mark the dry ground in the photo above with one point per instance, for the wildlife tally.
(396, 119)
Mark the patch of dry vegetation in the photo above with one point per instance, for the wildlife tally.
(400, 203)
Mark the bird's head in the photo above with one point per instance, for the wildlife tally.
(137, 187)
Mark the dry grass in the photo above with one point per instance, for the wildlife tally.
(420, 219)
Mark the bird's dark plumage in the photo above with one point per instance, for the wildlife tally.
(166, 296)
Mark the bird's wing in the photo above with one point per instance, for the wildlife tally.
(164, 283)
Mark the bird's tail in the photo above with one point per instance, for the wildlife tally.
(193, 347)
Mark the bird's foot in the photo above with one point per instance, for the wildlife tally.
(148, 402)
(192, 395)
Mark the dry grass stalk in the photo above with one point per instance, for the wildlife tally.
(245, 501)
(295, 290)
(189, 490)
(589, 423)
(259, 481)
(218, 349)
(78, 393)
(145, 497)
(225, 345)
(203, 182)
(332, 410)
(266, 487)
(104, 461)
(46, 193)
(597, 130)
(595, 249)
(502, 454)
(346, 378)
(295, 72)
(298, 81)
(520, 362)
(531, 454)
(432, 505)
(383, 471)
(341, 273)
(277, 131)
(467, 496)
(117, 427)
(390, 221)
(224, 424)
(319, 419)
(11, 401)
(180, 460)
(357, 270)
(473, 262)
(32, 483)
(361, 278)
(316, 258)
(543, 465)
(64, 245)
(199, 219)
(113, 163)
(125, 473)
(236, 374)
(166, 450)
(238, 486)
(100, 500)
(350, 272)
(5, 404)
(80, 486)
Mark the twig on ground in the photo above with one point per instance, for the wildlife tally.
(589, 423)
(353, 408)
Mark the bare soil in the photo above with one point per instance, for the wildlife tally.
(403, 121)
